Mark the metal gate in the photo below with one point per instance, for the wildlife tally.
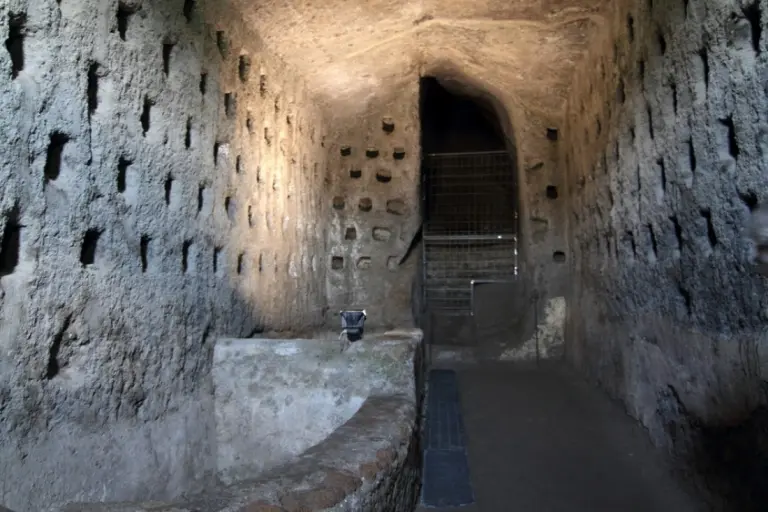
(470, 232)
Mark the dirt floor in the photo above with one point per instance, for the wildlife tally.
(542, 440)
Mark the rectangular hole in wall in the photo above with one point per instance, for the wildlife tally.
(200, 198)
(244, 68)
(749, 198)
(691, 156)
(222, 43)
(203, 83)
(89, 247)
(122, 173)
(704, 70)
(230, 104)
(650, 120)
(190, 7)
(673, 89)
(678, 233)
(552, 192)
(552, 134)
(10, 247)
(661, 42)
(216, 147)
(146, 115)
(686, 296)
(125, 10)
(729, 137)
(230, 208)
(381, 234)
(185, 250)
(93, 88)
(14, 44)
(217, 260)
(365, 204)
(167, 53)
(654, 243)
(188, 134)
(144, 252)
(54, 155)
(383, 176)
(754, 16)
(711, 233)
(629, 238)
(168, 189)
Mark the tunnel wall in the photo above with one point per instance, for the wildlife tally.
(544, 214)
(157, 190)
(373, 204)
(664, 147)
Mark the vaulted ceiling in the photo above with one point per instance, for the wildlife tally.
(351, 49)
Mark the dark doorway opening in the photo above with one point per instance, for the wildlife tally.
(451, 123)
(469, 211)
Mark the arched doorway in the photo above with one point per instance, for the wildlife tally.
(470, 211)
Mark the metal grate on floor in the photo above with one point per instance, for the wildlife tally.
(446, 479)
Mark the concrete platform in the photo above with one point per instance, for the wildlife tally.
(542, 440)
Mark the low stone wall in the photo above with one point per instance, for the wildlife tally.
(369, 463)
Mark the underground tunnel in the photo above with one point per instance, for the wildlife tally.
(192, 192)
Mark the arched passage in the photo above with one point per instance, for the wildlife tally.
(470, 210)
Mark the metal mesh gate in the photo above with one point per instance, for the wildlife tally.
(470, 226)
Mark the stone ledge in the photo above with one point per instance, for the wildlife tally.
(366, 464)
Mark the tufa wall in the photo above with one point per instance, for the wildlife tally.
(161, 179)
(373, 205)
(664, 146)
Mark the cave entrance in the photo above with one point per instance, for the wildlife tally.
(470, 211)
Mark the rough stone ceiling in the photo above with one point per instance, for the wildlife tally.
(349, 49)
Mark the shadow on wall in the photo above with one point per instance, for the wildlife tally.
(153, 163)
(664, 174)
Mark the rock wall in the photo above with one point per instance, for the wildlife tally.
(544, 210)
(161, 184)
(664, 146)
(373, 204)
